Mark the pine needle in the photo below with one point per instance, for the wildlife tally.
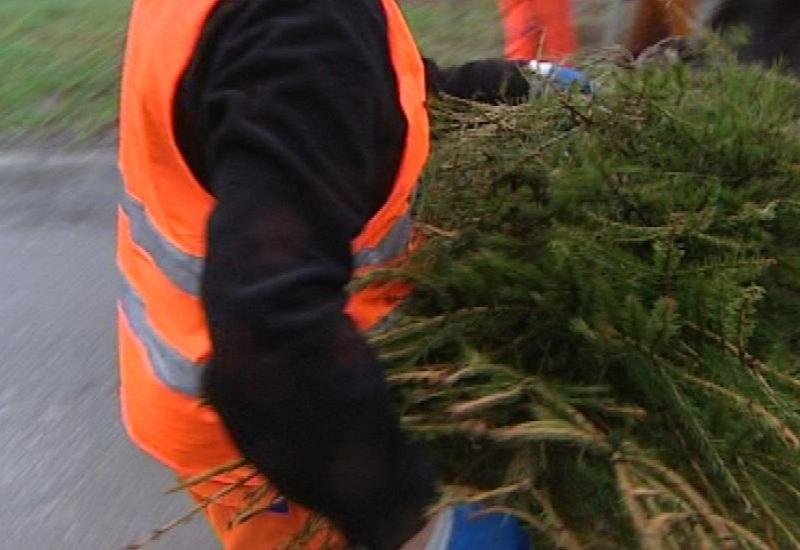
(784, 431)
(205, 476)
(487, 402)
(550, 430)
(200, 507)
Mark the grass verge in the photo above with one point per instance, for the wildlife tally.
(60, 65)
(60, 60)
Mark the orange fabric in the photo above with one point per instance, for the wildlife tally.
(538, 29)
(413, 99)
(264, 531)
(178, 429)
(161, 40)
(184, 326)
(659, 19)
(184, 425)
(375, 302)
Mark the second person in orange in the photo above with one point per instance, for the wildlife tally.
(538, 29)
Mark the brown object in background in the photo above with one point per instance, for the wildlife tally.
(659, 19)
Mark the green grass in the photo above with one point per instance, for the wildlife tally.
(59, 59)
(455, 31)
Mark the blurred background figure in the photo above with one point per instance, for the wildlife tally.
(772, 26)
(538, 29)
(655, 20)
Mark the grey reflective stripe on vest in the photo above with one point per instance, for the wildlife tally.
(171, 367)
(393, 244)
(184, 270)
(387, 321)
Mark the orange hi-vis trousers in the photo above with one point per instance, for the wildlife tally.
(538, 29)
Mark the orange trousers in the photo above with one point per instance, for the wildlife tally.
(268, 530)
(538, 29)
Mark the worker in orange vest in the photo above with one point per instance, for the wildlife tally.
(538, 29)
(270, 150)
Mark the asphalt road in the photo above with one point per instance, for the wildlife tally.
(69, 478)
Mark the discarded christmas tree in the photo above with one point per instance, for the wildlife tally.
(604, 338)
(605, 334)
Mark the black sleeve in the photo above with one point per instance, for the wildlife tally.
(488, 81)
(289, 116)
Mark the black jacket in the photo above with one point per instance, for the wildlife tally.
(289, 116)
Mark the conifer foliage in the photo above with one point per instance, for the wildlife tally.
(605, 333)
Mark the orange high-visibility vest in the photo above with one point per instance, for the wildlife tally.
(163, 337)
(538, 29)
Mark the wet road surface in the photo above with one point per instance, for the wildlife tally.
(69, 478)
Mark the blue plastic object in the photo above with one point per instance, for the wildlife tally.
(474, 529)
(562, 77)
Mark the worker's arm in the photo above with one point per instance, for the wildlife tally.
(289, 116)
(486, 80)
(499, 81)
